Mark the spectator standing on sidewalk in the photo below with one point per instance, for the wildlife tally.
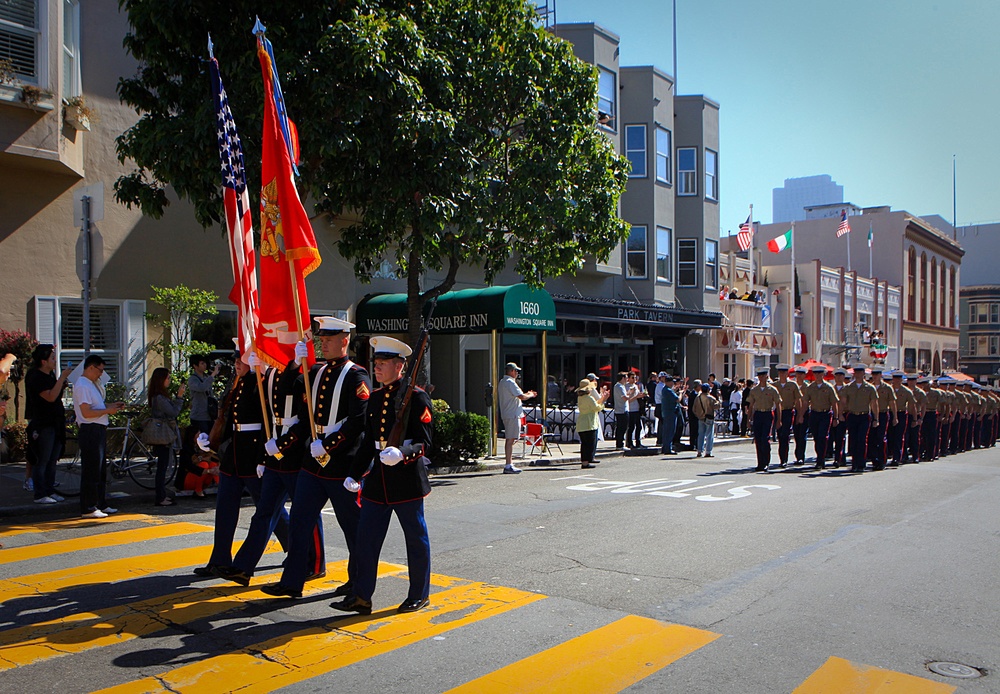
(92, 417)
(704, 407)
(166, 409)
(46, 431)
(589, 419)
(200, 385)
(735, 407)
(510, 396)
(621, 401)
(670, 406)
(636, 399)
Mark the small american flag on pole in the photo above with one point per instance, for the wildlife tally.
(238, 220)
(745, 235)
(844, 227)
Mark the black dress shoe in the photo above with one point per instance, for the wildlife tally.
(413, 604)
(344, 590)
(316, 576)
(205, 571)
(231, 573)
(280, 591)
(353, 603)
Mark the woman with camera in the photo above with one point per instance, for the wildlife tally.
(46, 420)
(165, 409)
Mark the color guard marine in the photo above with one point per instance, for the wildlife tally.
(394, 481)
(340, 391)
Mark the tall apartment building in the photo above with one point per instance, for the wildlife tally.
(788, 203)
(979, 300)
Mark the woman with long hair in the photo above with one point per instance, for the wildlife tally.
(162, 406)
(46, 420)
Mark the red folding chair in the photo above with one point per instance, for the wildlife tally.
(536, 437)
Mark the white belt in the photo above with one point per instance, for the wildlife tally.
(286, 421)
(330, 429)
(248, 427)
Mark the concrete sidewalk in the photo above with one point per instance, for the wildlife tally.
(125, 494)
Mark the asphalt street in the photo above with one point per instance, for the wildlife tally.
(646, 573)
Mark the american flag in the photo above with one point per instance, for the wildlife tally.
(745, 235)
(844, 227)
(238, 220)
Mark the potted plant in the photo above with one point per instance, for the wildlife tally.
(77, 114)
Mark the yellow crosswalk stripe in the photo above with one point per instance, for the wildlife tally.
(299, 656)
(839, 675)
(112, 539)
(71, 524)
(111, 571)
(85, 631)
(608, 659)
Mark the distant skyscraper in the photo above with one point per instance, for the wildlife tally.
(787, 202)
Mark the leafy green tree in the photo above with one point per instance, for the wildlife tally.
(456, 132)
(184, 308)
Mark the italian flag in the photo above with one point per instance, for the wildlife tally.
(781, 243)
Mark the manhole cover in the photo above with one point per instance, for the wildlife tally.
(946, 669)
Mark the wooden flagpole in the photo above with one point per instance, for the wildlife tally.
(302, 335)
(260, 391)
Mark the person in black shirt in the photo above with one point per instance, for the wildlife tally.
(46, 420)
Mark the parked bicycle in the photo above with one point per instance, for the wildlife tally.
(127, 456)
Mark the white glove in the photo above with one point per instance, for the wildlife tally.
(271, 447)
(391, 456)
(202, 442)
(301, 351)
(253, 360)
(316, 449)
(351, 486)
(260, 471)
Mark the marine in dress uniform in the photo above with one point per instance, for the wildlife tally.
(762, 401)
(913, 447)
(975, 424)
(859, 411)
(878, 435)
(824, 405)
(906, 412)
(801, 426)
(790, 394)
(242, 451)
(278, 476)
(959, 405)
(930, 429)
(838, 429)
(340, 395)
(396, 483)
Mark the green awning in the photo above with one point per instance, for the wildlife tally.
(467, 311)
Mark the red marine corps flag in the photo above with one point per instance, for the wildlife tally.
(287, 245)
(238, 220)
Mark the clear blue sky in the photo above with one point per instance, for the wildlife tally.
(880, 94)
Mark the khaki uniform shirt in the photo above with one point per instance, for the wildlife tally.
(886, 396)
(920, 401)
(821, 396)
(790, 394)
(905, 400)
(933, 400)
(763, 398)
(857, 398)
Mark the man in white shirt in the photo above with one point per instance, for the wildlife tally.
(509, 399)
(621, 398)
(92, 418)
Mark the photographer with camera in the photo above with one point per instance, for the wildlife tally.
(200, 386)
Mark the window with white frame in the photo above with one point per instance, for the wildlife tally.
(663, 150)
(687, 171)
(711, 175)
(711, 264)
(892, 332)
(687, 262)
(663, 247)
(21, 39)
(71, 49)
(635, 149)
(607, 97)
(729, 366)
(635, 253)
(973, 346)
(829, 328)
(994, 313)
(117, 333)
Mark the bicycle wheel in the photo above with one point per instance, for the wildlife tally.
(140, 464)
